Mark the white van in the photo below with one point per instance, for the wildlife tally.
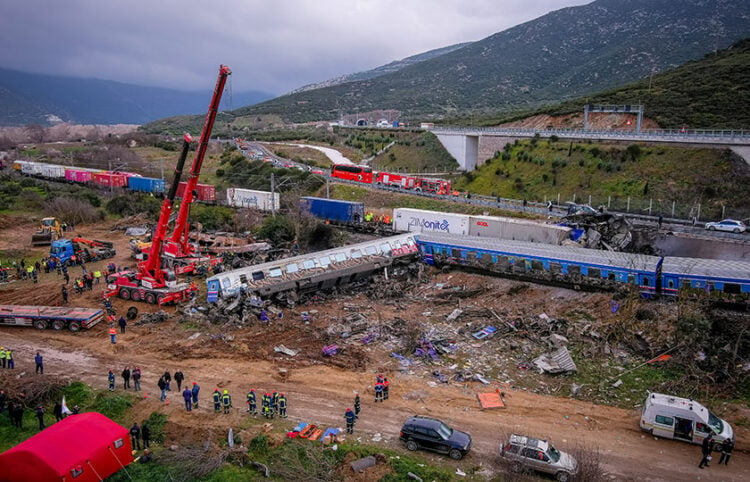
(682, 419)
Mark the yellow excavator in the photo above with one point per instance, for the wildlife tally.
(49, 230)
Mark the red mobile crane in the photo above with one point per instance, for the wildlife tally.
(151, 283)
(179, 246)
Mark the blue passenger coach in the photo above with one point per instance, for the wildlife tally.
(720, 280)
(574, 266)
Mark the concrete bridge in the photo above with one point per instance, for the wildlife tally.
(463, 143)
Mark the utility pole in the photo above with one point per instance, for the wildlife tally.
(109, 168)
(328, 188)
(161, 162)
(273, 196)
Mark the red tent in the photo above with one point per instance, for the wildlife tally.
(83, 447)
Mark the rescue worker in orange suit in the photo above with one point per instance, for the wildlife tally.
(386, 385)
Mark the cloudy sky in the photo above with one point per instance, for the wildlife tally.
(272, 46)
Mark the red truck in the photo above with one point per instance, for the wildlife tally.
(395, 180)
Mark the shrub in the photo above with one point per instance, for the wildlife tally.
(278, 230)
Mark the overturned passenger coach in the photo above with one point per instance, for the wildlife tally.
(311, 272)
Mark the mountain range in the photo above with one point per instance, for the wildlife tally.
(46, 99)
(564, 54)
(389, 68)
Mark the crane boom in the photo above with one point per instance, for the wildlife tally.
(179, 242)
(152, 265)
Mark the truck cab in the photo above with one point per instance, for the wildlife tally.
(682, 419)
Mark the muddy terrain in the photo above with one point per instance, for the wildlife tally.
(320, 388)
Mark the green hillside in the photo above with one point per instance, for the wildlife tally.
(710, 93)
(539, 169)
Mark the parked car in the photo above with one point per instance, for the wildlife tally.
(731, 225)
(431, 434)
(539, 455)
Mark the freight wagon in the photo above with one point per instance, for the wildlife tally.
(78, 175)
(52, 171)
(110, 179)
(205, 192)
(56, 317)
(248, 198)
(517, 229)
(334, 209)
(421, 221)
(146, 184)
(31, 168)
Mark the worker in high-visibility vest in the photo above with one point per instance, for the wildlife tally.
(97, 276)
(112, 334)
(226, 401)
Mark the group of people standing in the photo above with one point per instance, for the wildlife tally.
(6, 358)
(127, 375)
(382, 392)
(272, 403)
(707, 448)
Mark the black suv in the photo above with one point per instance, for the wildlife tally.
(432, 434)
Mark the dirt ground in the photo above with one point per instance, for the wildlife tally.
(320, 389)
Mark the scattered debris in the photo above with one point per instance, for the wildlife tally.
(454, 314)
(575, 389)
(558, 361)
(262, 468)
(617, 384)
(414, 477)
(478, 377)
(285, 350)
(363, 463)
(330, 350)
(484, 333)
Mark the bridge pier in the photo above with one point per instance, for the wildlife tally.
(464, 148)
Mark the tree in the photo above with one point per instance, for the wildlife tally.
(34, 133)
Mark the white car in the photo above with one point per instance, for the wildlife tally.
(730, 225)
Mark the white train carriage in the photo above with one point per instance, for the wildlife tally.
(314, 271)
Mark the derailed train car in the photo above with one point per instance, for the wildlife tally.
(423, 221)
(312, 272)
(562, 265)
(653, 277)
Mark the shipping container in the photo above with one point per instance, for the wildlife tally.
(421, 221)
(248, 198)
(77, 175)
(334, 209)
(205, 192)
(146, 184)
(53, 171)
(110, 179)
(517, 229)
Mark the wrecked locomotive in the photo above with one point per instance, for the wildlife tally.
(716, 280)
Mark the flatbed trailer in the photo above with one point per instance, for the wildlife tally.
(56, 317)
